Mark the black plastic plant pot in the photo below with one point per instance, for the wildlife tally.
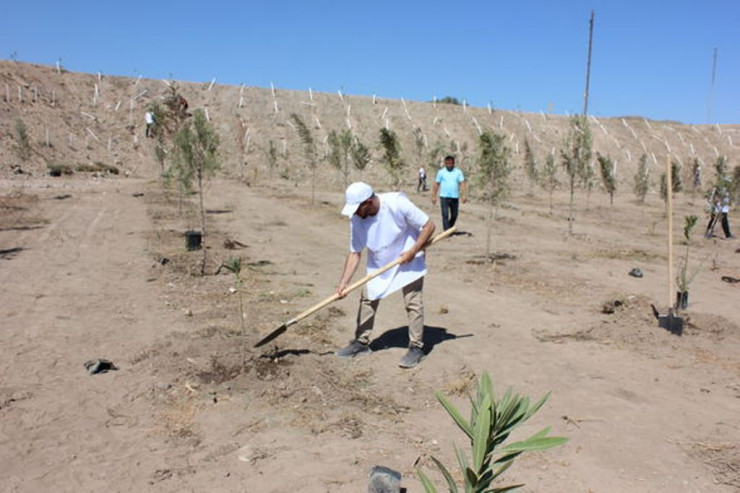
(193, 240)
(682, 300)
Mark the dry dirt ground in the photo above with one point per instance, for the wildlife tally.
(97, 268)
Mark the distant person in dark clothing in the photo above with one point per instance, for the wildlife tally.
(183, 105)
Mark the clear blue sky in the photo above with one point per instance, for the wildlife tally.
(651, 58)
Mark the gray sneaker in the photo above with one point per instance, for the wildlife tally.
(412, 357)
(353, 349)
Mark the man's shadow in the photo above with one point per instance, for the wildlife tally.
(399, 338)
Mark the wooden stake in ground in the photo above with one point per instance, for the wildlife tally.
(669, 213)
(671, 322)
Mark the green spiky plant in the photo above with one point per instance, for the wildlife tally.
(492, 420)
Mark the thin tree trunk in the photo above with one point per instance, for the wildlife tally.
(313, 183)
(571, 207)
(489, 231)
(202, 222)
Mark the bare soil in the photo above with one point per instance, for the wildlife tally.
(97, 268)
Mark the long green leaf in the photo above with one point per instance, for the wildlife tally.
(446, 473)
(543, 432)
(506, 488)
(486, 385)
(513, 408)
(482, 430)
(541, 443)
(507, 458)
(499, 439)
(502, 469)
(512, 419)
(455, 414)
(536, 407)
(461, 459)
(485, 480)
(426, 482)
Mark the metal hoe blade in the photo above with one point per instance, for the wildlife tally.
(272, 335)
(671, 322)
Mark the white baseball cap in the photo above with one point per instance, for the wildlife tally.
(356, 194)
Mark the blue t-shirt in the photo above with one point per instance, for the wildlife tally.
(449, 182)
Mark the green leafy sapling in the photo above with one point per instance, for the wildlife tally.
(492, 420)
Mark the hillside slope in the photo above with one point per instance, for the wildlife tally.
(78, 118)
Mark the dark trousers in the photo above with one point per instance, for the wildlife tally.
(449, 211)
(722, 217)
(726, 225)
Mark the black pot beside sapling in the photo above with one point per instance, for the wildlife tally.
(685, 275)
(193, 240)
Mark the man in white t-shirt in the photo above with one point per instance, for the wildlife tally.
(389, 226)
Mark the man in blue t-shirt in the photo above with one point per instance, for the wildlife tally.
(449, 184)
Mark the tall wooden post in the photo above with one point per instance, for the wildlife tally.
(711, 88)
(588, 63)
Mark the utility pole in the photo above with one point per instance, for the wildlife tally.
(588, 63)
(711, 88)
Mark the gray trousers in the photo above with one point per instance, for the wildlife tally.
(414, 310)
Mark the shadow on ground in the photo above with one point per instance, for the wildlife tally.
(399, 338)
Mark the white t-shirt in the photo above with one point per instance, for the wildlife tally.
(149, 117)
(392, 231)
